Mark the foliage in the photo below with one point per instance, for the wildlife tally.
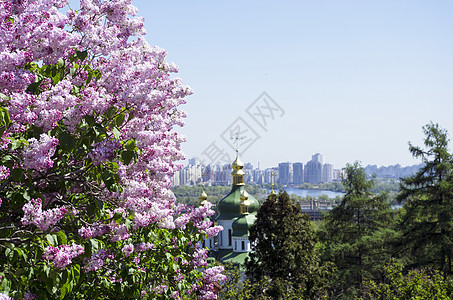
(385, 185)
(427, 219)
(354, 233)
(87, 150)
(284, 260)
(234, 288)
(335, 186)
(417, 284)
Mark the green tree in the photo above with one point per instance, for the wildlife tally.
(427, 218)
(355, 231)
(417, 284)
(284, 258)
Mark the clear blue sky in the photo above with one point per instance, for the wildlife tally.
(357, 80)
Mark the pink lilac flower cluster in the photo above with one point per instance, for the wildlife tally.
(33, 214)
(213, 231)
(97, 260)
(201, 213)
(199, 216)
(214, 275)
(160, 289)
(119, 232)
(37, 154)
(4, 141)
(128, 250)
(134, 75)
(200, 256)
(142, 247)
(30, 296)
(4, 172)
(94, 230)
(103, 151)
(62, 255)
(211, 278)
(5, 297)
(37, 33)
(207, 295)
(50, 106)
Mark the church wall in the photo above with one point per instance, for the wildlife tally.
(226, 234)
(241, 244)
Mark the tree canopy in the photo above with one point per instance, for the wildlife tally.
(284, 253)
(416, 284)
(354, 233)
(427, 219)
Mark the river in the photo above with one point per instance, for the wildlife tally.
(313, 193)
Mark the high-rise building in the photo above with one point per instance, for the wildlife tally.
(270, 175)
(175, 179)
(313, 172)
(298, 173)
(318, 157)
(284, 173)
(208, 174)
(338, 174)
(258, 176)
(194, 161)
(317, 171)
(327, 173)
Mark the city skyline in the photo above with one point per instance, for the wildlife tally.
(353, 80)
(315, 171)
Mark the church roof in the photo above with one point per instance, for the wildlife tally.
(229, 206)
(242, 225)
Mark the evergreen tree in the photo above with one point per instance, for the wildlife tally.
(284, 253)
(354, 233)
(427, 219)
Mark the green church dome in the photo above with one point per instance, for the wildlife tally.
(242, 225)
(229, 206)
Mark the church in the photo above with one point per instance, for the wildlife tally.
(236, 214)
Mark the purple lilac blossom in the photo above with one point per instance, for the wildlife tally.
(4, 172)
(33, 214)
(97, 260)
(37, 154)
(135, 76)
(62, 255)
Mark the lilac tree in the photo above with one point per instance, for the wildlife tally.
(87, 151)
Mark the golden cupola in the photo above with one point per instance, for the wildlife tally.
(203, 197)
(238, 173)
(245, 203)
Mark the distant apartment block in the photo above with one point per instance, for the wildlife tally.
(284, 173)
(317, 171)
(327, 173)
(298, 173)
